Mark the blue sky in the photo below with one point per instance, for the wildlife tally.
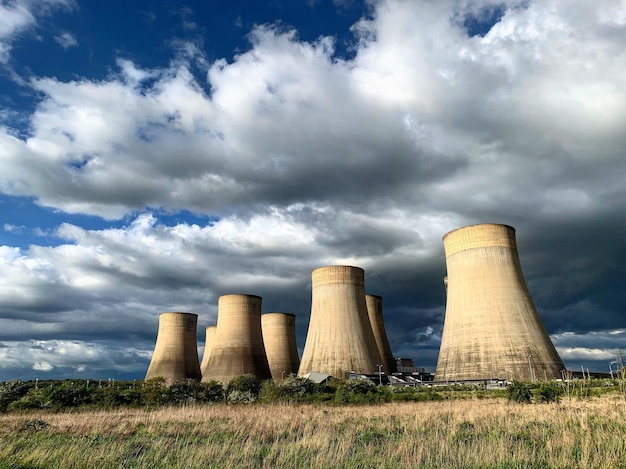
(155, 157)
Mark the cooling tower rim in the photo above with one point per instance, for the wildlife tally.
(277, 313)
(210, 327)
(499, 225)
(247, 295)
(178, 313)
(374, 296)
(340, 265)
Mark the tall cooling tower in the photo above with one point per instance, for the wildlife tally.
(208, 343)
(238, 342)
(175, 356)
(340, 337)
(375, 312)
(491, 327)
(279, 337)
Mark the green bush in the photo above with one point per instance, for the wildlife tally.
(292, 389)
(212, 391)
(155, 392)
(416, 394)
(244, 383)
(361, 391)
(34, 399)
(12, 391)
(519, 391)
(192, 392)
(549, 391)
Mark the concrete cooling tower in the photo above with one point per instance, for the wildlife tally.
(340, 337)
(238, 342)
(208, 343)
(491, 328)
(279, 337)
(175, 356)
(375, 312)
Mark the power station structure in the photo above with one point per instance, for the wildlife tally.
(340, 339)
(491, 327)
(374, 305)
(238, 347)
(279, 337)
(175, 356)
(208, 343)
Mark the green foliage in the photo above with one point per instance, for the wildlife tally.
(241, 397)
(34, 399)
(418, 394)
(212, 391)
(192, 392)
(519, 391)
(244, 383)
(12, 391)
(361, 391)
(291, 389)
(155, 392)
(66, 394)
(549, 391)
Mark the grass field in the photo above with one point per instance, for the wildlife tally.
(469, 433)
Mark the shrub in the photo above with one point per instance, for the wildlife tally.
(212, 391)
(244, 383)
(154, 392)
(291, 388)
(34, 399)
(519, 392)
(419, 394)
(241, 397)
(66, 394)
(360, 391)
(12, 391)
(549, 392)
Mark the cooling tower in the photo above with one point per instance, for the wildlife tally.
(208, 343)
(279, 337)
(375, 312)
(175, 356)
(238, 342)
(491, 328)
(340, 337)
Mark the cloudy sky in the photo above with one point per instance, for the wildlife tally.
(156, 155)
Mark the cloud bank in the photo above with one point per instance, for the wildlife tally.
(295, 158)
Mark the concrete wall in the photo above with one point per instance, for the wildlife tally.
(208, 343)
(375, 312)
(175, 356)
(340, 337)
(279, 337)
(491, 326)
(238, 345)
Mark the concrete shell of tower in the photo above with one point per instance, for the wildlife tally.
(279, 337)
(491, 327)
(238, 347)
(340, 337)
(175, 356)
(375, 312)
(208, 343)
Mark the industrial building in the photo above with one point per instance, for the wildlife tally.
(279, 337)
(491, 327)
(238, 346)
(175, 356)
(340, 339)
(374, 305)
(208, 343)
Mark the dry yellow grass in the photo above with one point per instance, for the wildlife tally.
(458, 433)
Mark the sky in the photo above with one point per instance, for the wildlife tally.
(156, 155)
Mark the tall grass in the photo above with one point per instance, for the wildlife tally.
(468, 433)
